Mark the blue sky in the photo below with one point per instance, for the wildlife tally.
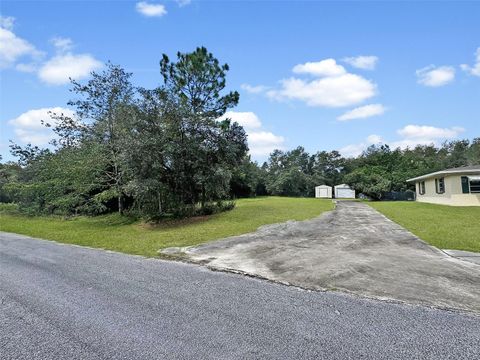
(324, 75)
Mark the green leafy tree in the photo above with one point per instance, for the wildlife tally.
(328, 168)
(181, 154)
(290, 173)
(9, 173)
(105, 108)
(474, 152)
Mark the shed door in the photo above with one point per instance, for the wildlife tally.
(323, 192)
(344, 193)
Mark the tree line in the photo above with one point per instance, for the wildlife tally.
(163, 152)
(374, 173)
(149, 151)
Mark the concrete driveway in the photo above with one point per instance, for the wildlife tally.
(354, 249)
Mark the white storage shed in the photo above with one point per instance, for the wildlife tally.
(323, 192)
(343, 191)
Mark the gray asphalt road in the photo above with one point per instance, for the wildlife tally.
(66, 302)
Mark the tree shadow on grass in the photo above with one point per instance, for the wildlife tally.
(175, 223)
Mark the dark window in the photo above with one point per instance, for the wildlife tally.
(475, 186)
(465, 185)
(421, 187)
(440, 185)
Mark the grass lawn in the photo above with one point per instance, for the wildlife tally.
(122, 234)
(446, 227)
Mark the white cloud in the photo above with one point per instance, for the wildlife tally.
(429, 132)
(65, 65)
(247, 119)
(28, 126)
(183, 3)
(12, 47)
(260, 141)
(363, 112)
(410, 143)
(337, 91)
(374, 139)
(362, 62)
(60, 68)
(435, 76)
(410, 136)
(327, 67)
(26, 68)
(6, 22)
(354, 150)
(35, 138)
(475, 69)
(150, 9)
(62, 44)
(332, 87)
(257, 89)
(56, 70)
(413, 135)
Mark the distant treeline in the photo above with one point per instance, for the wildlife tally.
(378, 170)
(162, 152)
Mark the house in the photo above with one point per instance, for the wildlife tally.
(343, 191)
(323, 192)
(458, 186)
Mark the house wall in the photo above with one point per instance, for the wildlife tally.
(452, 196)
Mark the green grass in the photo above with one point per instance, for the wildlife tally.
(446, 227)
(122, 234)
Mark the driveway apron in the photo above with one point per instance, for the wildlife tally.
(354, 249)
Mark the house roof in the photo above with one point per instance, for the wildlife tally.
(466, 170)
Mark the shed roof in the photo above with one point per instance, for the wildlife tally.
(467, 170)
(343, 186)
(323, 186)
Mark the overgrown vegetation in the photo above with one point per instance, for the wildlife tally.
(125, 234)
(446, 227)
(149, 152)
(161, 153)
(378, 170)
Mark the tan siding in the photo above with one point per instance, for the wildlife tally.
(453, 193)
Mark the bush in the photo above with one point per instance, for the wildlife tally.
(184, 211)
(216, 207)
(8, 208)
(209, 208)
(226, 205)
